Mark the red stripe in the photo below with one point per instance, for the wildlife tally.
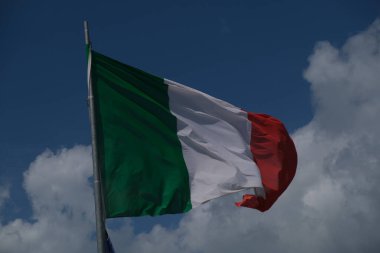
(276, 157)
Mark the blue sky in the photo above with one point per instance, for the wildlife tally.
(253, 54)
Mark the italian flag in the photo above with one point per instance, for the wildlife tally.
(166, 148)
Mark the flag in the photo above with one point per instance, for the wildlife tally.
(166, 148)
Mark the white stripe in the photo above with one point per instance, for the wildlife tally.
(215, 137)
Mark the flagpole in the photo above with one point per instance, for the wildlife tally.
(99, 210)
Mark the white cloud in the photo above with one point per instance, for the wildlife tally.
(332, 205)
(61, 196)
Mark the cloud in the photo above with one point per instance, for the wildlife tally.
(61, 197)
(345, 83)
(332, 205)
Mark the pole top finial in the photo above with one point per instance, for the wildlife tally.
(86, 32)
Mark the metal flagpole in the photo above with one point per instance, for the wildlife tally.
(99, 210)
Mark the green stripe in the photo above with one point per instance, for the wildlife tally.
(143, 170)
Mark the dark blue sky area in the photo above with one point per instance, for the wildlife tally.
(249, 53)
